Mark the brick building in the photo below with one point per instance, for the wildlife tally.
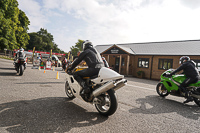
(151, 58)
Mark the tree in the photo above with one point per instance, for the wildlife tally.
(21, 32)
(13, 25)
(43, 41)
(77, 47)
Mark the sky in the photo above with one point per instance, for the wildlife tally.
(114, 21)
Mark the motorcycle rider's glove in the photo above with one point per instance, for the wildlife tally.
(69, 70)
(168, 75)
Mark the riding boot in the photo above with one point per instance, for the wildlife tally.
(85, 90)
(188, 97)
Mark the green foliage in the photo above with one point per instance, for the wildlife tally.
(43, 41)
(77, 47)
(13, 25)
(140, 73)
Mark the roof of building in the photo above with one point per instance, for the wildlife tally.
(186, 47)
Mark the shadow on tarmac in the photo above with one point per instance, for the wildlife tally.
(51, 114)
(8, 74)
(41, 83)
(158, 105)
(7, 68)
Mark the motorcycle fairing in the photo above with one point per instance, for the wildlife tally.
(170, 85)
(74, 86)
(105, 75)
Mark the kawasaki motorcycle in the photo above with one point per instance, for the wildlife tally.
(102, 86)
(170, 85)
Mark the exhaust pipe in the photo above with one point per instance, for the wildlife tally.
(196, 96)
(108, 86)
(103, 88)
(120, 84)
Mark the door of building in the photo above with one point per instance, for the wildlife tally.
(117, 60)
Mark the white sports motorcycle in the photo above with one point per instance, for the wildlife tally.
(103, 88)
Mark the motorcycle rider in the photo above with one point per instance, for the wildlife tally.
(64, 63)
(20, 54)
(190, 71)
(93, 59)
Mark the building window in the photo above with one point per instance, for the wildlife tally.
(197, 64)
(165, 64)
(143, 62)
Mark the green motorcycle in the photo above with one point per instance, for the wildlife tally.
(170, 85)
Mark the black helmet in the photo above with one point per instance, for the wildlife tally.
(86, 44)
(183, 59)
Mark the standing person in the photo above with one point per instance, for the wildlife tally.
(40, 59)
(94, 62)
(191, 72)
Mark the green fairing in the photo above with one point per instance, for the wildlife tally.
(171, 85)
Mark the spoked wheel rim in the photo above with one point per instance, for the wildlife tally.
(103, 102)
(68, 90)
(161, 90)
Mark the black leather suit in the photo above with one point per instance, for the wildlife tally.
(92, 59)
(190, 72)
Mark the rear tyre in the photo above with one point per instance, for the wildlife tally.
(68, 91)
(21, 70)
(17, 69)
(161, 90)
(107, 103)
(197, 101)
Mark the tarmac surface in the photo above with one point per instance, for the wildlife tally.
(36, 103)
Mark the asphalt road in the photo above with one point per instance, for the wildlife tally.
(36, 103)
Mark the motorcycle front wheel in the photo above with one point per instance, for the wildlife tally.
(107, 103)
(161, 90)
(21, 70)
(68, 91)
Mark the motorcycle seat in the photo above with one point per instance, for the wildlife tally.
(92, 77)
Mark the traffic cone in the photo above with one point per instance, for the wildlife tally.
(44, 71)
(57, 76)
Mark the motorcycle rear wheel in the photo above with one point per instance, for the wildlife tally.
(197, 101)
(21, 70)
(161, 90)
(68, 91)
(107, 103)
(17, 69)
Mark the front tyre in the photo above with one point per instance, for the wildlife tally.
(161, 90)
(107, 103)
(21, 70)
(68, 91)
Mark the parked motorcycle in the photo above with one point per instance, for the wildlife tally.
(103, 87)
(20, 63)
(170, 85)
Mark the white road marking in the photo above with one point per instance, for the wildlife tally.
(141, 87)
